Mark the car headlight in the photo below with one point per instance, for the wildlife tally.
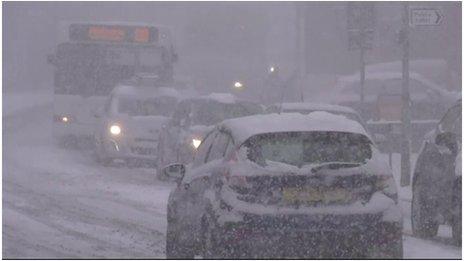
(115, 130)
(62, 118)
(196, 143)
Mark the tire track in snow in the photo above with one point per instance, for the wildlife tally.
(71, 206)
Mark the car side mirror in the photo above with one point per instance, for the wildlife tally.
(174, 172)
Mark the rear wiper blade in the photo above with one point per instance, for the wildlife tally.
(334, 165)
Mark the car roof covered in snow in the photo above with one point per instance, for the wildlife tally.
(225, 98)
(145, 92)
(245, 127)
(312, 106)
(344, 80)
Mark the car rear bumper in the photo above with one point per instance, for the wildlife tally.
(329, 236)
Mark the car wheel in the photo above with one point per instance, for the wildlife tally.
(422, 220)
(175, 249)
(456, 223)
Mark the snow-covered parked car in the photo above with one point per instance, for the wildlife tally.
(436, 182)
(382, 104)
(130, 122)
(308, 107)
(192, 119)
(284, 185)
(428, 100)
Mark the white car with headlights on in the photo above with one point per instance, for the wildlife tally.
(193, 118)
(130, 122)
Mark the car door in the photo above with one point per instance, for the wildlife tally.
(439, 160)
(451, 123)
(199, 180)
(183, 200)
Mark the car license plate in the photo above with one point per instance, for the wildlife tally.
(314, 195)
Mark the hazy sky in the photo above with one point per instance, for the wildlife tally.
(218, 42)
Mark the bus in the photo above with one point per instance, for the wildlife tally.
(92, 60)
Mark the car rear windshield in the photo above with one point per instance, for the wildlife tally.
(308, 148)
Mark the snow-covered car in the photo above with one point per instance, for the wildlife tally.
(382, 104)
(436, 182)
(192, 119)
(428, 100)
(284, 185)
(130, 122)
(308, 107)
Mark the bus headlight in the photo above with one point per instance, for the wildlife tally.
(196, 143)
(115, 130)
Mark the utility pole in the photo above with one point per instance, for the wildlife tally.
(360, 25)
(405, 108)
(300, 26)
(362, 70)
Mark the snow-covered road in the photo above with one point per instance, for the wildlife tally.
(59, 203)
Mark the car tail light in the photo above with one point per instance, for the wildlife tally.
(386, 184)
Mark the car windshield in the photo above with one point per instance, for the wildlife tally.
(308, 148)
(159, 106)
(211, 112)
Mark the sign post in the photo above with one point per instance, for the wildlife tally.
(405, 108)
(412, 17)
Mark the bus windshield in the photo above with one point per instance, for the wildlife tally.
(94, 69)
